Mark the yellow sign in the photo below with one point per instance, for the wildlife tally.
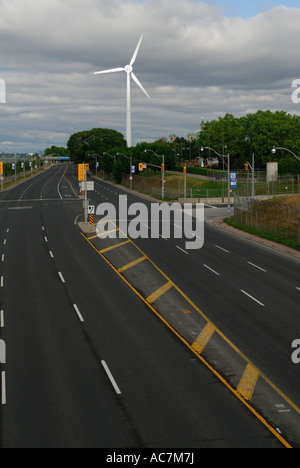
(81, 174)
(162, 168)
(1, 168)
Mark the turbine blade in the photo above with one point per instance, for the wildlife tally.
(140, 85)
(136, 51)
(114, 70)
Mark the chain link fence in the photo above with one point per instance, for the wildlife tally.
(280, 220)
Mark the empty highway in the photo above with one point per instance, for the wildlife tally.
(90, 364)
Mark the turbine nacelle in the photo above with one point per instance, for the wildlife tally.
(128, 69)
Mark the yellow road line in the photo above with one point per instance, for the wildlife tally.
(157, 294)
(248, 382)
(214, 371)
(132, 264)
(71, 186)
(116, 246)
(103, 234)
(231, 344)
(238, 351)
(204, 338)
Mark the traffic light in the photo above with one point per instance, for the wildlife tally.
(184, 170)
(141, 167)
(246, 167)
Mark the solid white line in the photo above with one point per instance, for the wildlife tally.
(61, 277)
(78, 313)
(255, 266)
(58, 189)
(110, 376)
(215, 272)
(2, 318)
(221, 248)
(3, 388)
(253, 298)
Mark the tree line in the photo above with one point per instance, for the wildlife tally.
(239, 136)
(256, 133)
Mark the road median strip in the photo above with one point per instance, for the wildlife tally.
(211, 346)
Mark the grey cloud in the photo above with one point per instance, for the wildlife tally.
(194, 62)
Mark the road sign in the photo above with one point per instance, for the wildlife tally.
(90, 186)
(133, 170)
(91, 210)
(81, 174)
(1, 168)
(233, 180)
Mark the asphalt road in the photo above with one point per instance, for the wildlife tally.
(89, 365)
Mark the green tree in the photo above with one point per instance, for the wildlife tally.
(57, 151)
(96, 141)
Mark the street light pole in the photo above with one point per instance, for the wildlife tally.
(284, 149)
(228, 173)
(130, 173)
(229, 197)
(163, 172)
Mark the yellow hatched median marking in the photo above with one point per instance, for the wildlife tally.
(214, 371)
(132, 264)
(248, 382)
(116, 246)
(157, 294)
(103, 234)
(204, 338)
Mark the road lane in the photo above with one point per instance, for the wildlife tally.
(55, 376)
(218, 278)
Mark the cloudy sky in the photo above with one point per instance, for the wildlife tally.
(198, 59)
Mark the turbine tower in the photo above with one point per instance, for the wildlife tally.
(129, 71)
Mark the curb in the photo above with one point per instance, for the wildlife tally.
(220, 224)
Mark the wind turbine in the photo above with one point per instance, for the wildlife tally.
(129, 70)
